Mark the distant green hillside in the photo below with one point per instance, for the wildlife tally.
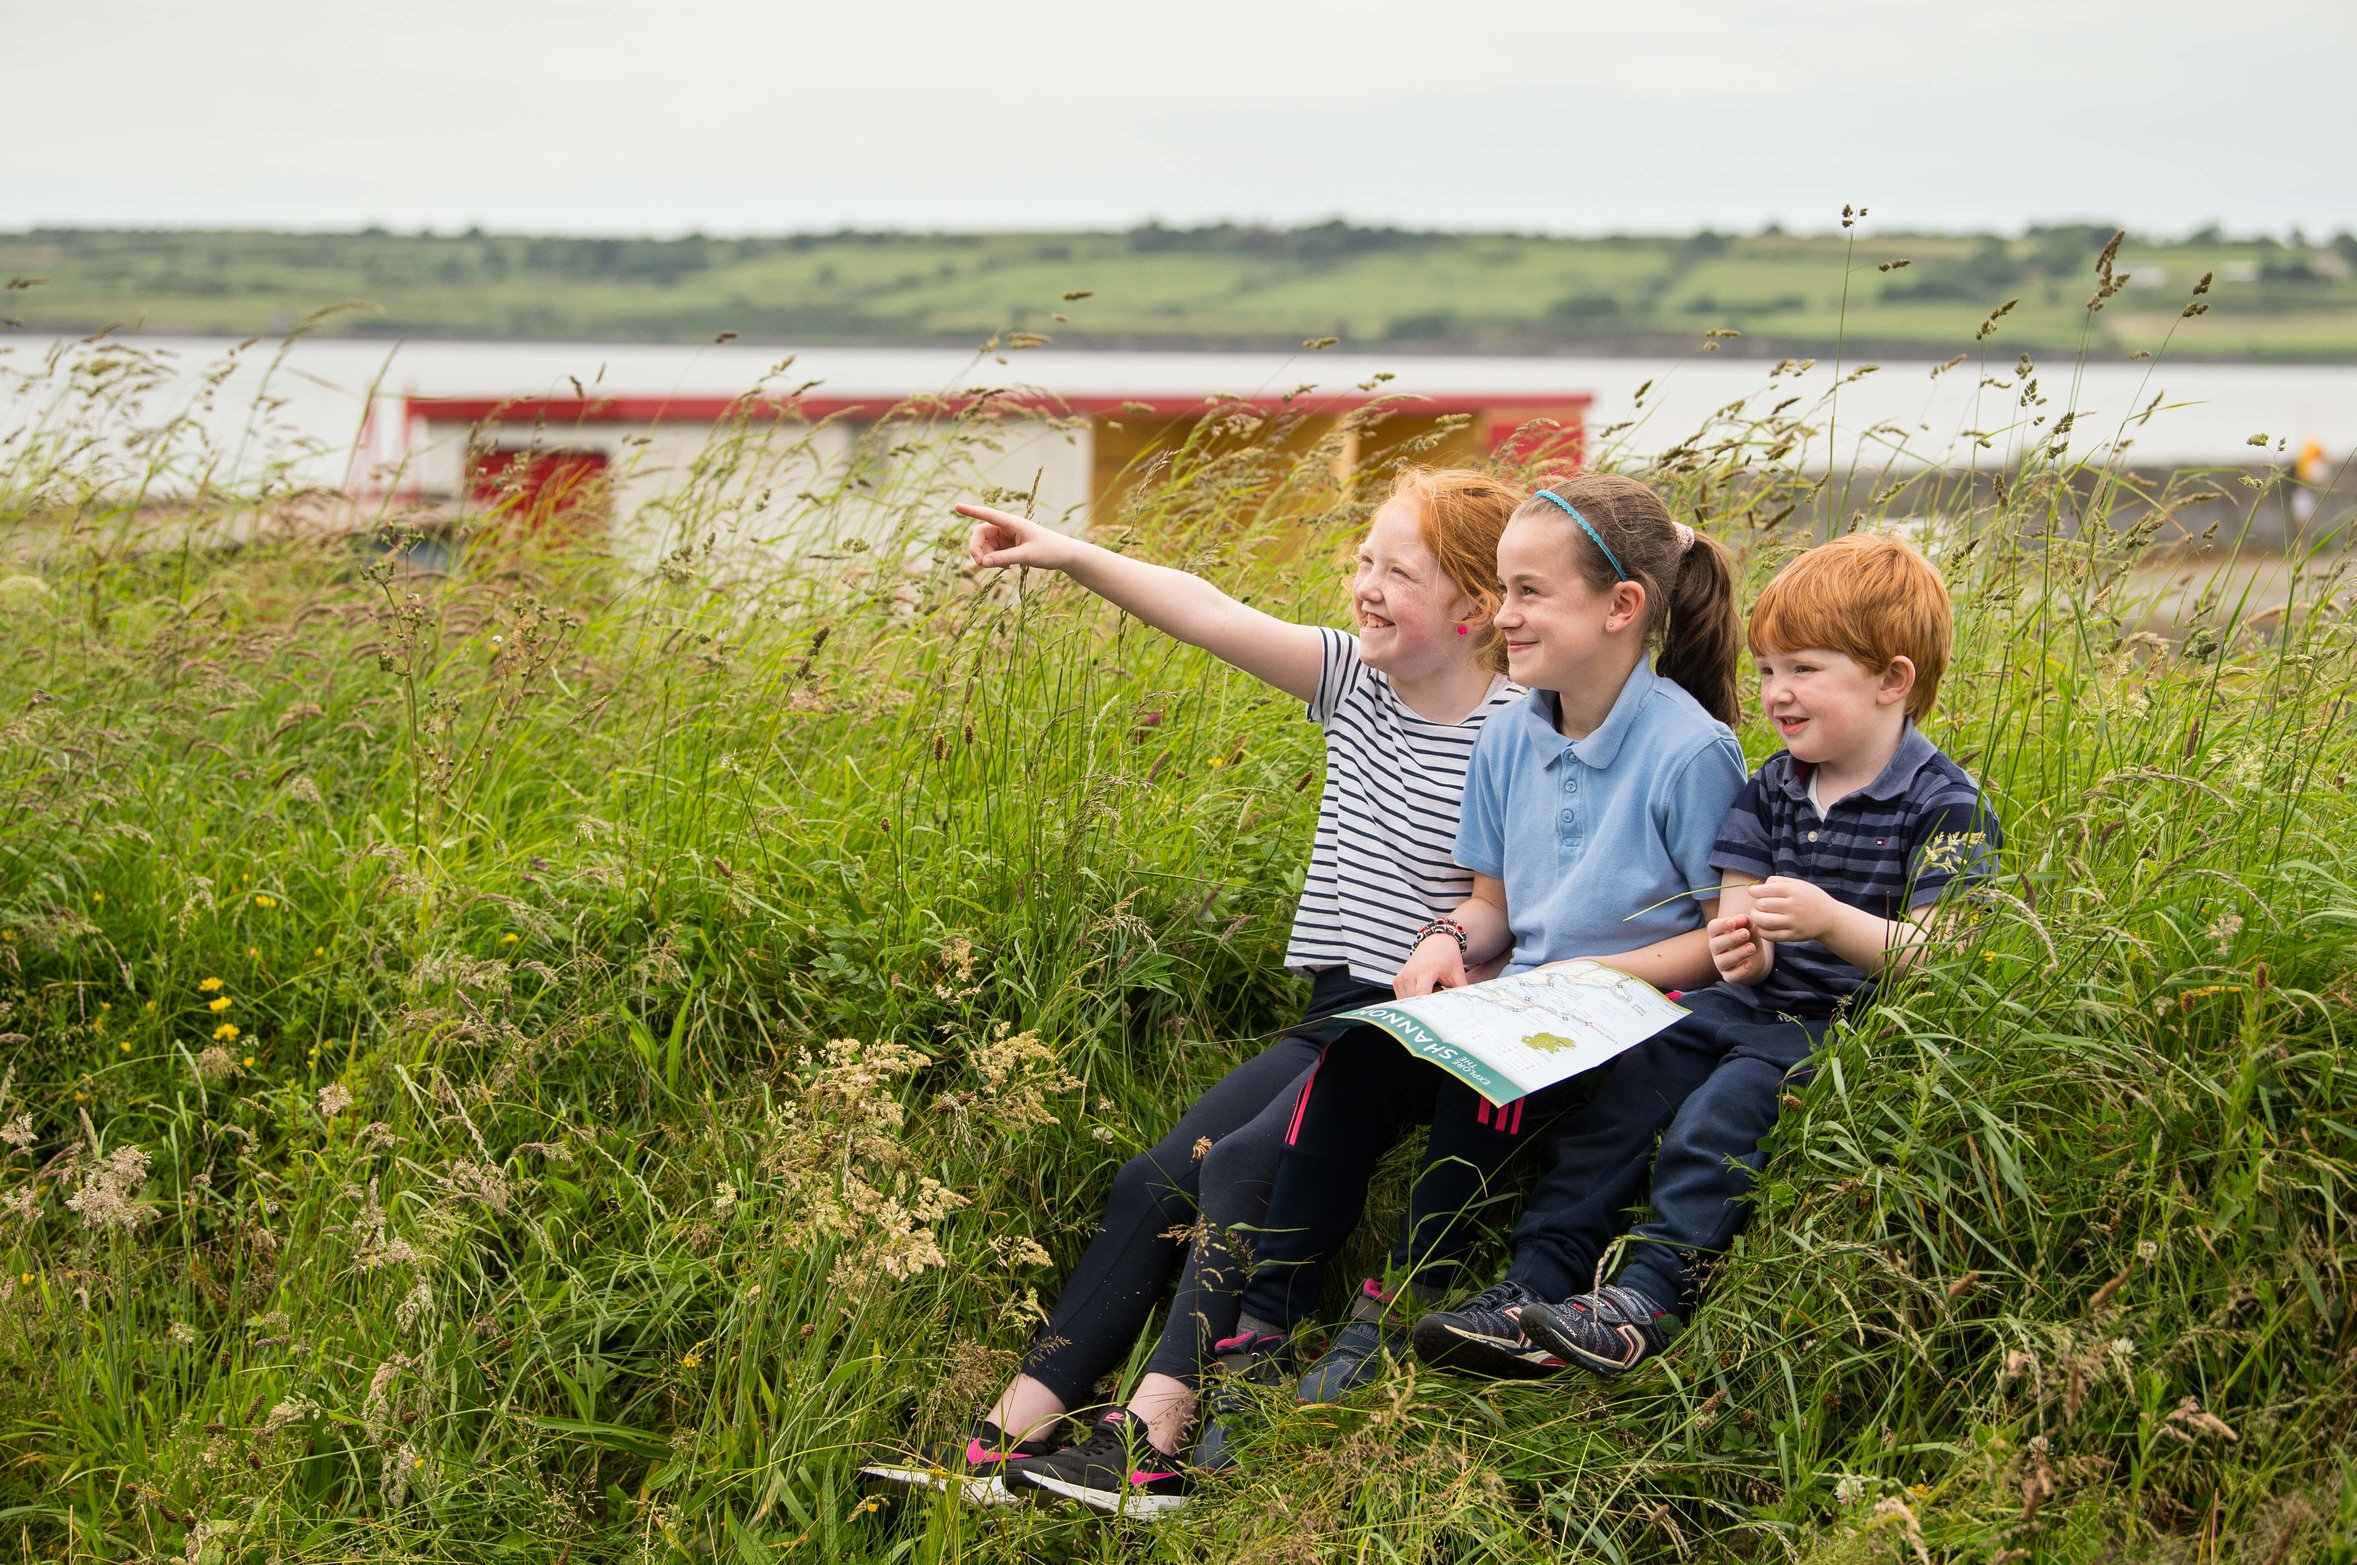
(1221, 285)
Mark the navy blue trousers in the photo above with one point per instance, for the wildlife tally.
(1708, 1087)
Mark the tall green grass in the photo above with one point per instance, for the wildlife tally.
(684, 1018)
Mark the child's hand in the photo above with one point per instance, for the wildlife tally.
(1000, 539)
(1741, 955)
(1436, 963)
(1783, 908)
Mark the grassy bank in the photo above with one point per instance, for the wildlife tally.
(539, 1064)
(1771, 293)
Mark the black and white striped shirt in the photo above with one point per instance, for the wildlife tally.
(1384, 860)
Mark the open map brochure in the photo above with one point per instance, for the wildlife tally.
(1511, 1036)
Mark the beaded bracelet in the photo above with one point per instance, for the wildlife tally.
(1442, 926)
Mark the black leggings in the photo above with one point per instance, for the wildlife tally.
(1366, 1094)
(1158, 1197)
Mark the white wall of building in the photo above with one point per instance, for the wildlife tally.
(754, 498)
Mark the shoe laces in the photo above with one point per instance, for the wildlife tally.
(1498, 1297)
(1113, 1433)
(1617, 1306)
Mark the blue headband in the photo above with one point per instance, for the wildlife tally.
(1594, 536)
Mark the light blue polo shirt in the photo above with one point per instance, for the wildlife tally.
(1585, 832)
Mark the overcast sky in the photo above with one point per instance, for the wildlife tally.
(1567, 115)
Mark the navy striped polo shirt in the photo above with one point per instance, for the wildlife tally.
(1889, 848)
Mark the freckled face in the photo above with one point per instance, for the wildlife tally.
(1826, 705)
(1406, 606)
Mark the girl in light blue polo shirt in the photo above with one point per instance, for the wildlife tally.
(1599, 793)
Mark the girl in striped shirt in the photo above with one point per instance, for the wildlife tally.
(1401, 703)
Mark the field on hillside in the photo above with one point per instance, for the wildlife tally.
(539, 1063)
(1216, 286)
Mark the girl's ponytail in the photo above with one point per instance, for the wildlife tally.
(1689, 581)
(1702, 640)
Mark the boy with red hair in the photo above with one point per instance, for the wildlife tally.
(1834, 859)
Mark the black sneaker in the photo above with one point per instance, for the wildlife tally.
(1115, 1470)
(973, 1472)
(1482, 1337)
(1356, 1357)
(1610, 1331)
(1246, 1359)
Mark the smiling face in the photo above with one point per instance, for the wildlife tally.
(1407, 608)
(1561, 633)
(1829, 708)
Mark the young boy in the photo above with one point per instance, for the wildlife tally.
(1832, 861)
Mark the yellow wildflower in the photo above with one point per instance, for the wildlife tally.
(208, 986)
(125, 1046)
(510, 938)
(264, 899)
(98, 896)
(253, 950)
(225, 1032)
(25, 1279)
(319, 950)
(220, 1005)
(690, 1359)
(249, 1062)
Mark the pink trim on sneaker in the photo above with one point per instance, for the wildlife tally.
(1373, 1289)
(977, 1453)
(1138, 1477)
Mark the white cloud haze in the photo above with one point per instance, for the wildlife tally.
(594, 115)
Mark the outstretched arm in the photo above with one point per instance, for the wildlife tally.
(1286, 655)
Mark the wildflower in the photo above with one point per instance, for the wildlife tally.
(319, 950)
(414, 1306)
(510, 938)
(1849, 1489)
(227, 1032)
(181, 1333)
(24, 1279)
(98, 897)
(264, 900)
(249, 1062)
(18, 1132)
(690, 1359)
(378, 1409)
(334, 1098)
(293, 1410)
(253, 951)
(215, 1063)
(124, 1046)
(2222, 932)
(217, 1006)
(208, 985)
(108, 1197)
